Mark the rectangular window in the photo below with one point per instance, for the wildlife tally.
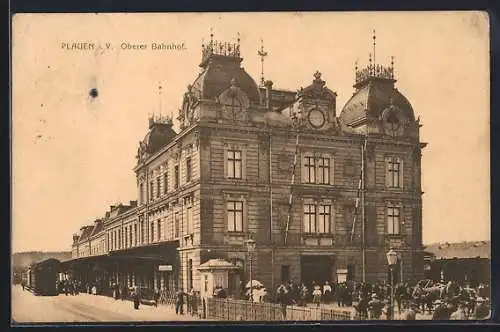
(158, 227)
(310, 218)
(188, 169)
(176, 176)
(152, 232)
(189, 221)
(393, 220)
(176, 225)
(324, 219)
(190, 274)
(324, 171)
(158, 186)
(135, 234)
(235, 216)
(125, 237)
(142, 231)
(165, 183)
(234, 164)
(394, 172)
(151, 187)
(310, 169)
(130, 236)
(141, 193)
(205, 282)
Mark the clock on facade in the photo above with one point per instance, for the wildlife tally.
(316, 118)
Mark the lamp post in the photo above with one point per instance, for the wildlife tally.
(392, 259)
(251, 244)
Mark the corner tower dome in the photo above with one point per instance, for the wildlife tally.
(374, 99)
(221, 65)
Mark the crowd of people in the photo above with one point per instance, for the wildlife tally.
(431, 300)
(438, 301)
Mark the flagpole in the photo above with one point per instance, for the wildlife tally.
(363, 250)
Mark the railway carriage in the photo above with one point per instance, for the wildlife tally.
(42, 277)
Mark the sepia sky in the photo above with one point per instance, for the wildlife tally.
(73, 155)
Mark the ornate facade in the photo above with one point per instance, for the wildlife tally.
(280, 167)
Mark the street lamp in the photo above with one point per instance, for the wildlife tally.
(392, 260)
(251, 244)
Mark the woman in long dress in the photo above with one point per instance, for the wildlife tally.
(317, 295)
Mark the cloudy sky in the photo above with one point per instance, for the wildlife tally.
(73, 155)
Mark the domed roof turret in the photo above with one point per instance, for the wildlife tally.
(221, 63)
(159, 135)
(374, 93)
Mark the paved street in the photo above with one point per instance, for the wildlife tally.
(28, 308)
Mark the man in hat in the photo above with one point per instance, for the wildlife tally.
(136, 298)
(482, 311)
(442, 311)
(362, 306)
(375, 307)
(410, 313)
(460, 313)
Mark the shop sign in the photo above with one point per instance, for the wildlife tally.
(165, 268)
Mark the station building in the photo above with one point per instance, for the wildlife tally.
(323, 191)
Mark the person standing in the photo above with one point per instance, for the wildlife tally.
(442, 311)
(317, 295)
(375, 306)
(460, 313)
(482, 311)
(23, 284)
(179, 302)
(362, 306)
(136, 298)
(282, 295)
(327, 292)
(410, 313)
(194, 303)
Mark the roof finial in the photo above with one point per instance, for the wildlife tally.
(262, 55)
(370, 68)
(211, 38)
(392, 66)
(159, 97)
(374, 46)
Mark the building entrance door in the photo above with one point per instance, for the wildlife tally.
(316, 268)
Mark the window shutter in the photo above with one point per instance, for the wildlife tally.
(387, 173)
(401, 173)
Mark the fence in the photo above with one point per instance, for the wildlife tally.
(235, 310)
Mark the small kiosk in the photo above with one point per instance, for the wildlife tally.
(214, 273)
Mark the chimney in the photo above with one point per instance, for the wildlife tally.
(107, 214)
(111, 208)
(151, 122)
(269, 85)
(75, 237)
(133, 203)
